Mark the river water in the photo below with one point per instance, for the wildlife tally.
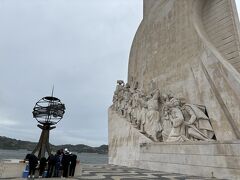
(86, 158)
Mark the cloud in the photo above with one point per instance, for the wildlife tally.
(5, 122)
(81, 47)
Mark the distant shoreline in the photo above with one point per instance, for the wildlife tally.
(14, 144)
(86, 158)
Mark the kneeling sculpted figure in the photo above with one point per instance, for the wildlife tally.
(177, 133)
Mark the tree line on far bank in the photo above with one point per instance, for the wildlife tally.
(14, 144)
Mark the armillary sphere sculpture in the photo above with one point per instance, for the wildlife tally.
(48, 111)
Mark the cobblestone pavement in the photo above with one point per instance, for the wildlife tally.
(111, 172)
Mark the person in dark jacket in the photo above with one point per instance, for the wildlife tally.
(61, 168)
(65, 163)
(73, 162)
(33, 162)
(42, 166)
(57, 164)
(51, 165)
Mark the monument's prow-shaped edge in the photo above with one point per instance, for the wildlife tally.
(180, 109)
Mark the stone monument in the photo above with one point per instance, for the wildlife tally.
(180, 109)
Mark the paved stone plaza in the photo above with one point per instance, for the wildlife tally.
(111, 172)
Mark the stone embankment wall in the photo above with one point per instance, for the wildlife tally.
(13, 169)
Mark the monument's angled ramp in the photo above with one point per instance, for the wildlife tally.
(220, 57)
(191, 48)
(124, 141)
(221, 23)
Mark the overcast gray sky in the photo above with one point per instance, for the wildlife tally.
(80, 46)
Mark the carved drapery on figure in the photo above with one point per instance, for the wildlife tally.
(198, 124)
(153, 126)
(162, 117)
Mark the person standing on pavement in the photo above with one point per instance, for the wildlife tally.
(57, 163)
(33, 162)
(51, 165)
(65, 163)
(73, 162)
(42, 166)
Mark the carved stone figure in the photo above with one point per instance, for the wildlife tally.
(118, 95)
(153, 126)
(198, 124)
(141, 118)
(135, 106)
(177, 133)
(179, 121)
(129, 108)
(115, 101)
(126, 99)
(141, 102)
(120, 85)
(166, 123)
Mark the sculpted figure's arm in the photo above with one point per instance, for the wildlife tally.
(192, 115)
(156, 94)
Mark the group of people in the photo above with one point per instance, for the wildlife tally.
(62, 164)
(162, 117)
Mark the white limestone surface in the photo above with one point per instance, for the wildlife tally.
(15, 168)
(216, 159)
(191, 48)
(128, 147)
(11, 169)
(124, 141)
